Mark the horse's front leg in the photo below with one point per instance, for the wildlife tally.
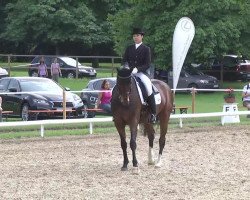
(133, 130)
(121, 130)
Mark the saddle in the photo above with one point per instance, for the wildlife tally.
(143, 93)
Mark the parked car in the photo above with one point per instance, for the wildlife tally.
(189, 77)
(89, 95)
(3, 72)
(37, 93)
(67, 65)
(234, 67)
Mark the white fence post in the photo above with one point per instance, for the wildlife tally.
(42, 130)
(91, 128)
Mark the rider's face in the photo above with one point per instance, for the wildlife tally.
(137, 38)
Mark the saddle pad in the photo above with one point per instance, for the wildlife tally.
(155, 92)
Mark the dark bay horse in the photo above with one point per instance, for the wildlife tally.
(127, 109)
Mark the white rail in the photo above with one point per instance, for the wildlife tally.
(109, 119)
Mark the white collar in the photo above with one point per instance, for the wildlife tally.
(137, 45)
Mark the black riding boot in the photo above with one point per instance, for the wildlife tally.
(151, 102)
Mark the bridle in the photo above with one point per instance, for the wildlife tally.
(124, 98)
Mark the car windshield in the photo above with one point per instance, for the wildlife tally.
(70, 61)
(193, 71)
(39, 85)
(243, 61)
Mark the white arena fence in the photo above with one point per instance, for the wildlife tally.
(91, 121)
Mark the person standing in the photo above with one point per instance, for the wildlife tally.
(246, 97)
(55, 70)
(1, 109)
(104, 97)
(42, 69)
(138, 56)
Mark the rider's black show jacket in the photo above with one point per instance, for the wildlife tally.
(139, 58)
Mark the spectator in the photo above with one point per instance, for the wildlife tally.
(246, 97)
(42, 69)
(55, 70)
(104, 97)
(1, 109)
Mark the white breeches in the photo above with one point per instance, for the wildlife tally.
(146, 81)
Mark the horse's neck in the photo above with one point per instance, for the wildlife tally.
(134, 89)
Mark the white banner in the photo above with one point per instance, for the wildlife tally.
(182, 39)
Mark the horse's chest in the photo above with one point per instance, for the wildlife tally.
(126, 113)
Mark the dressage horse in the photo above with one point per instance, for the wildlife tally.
(128, 109)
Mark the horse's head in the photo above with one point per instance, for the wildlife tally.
(124, 84)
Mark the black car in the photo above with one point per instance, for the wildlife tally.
(89, 95)
(67, 65)
(189, 77)
(231, 67)
(21, 94)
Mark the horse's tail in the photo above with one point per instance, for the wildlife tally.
(171, 102)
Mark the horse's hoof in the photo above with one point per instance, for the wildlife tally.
(158, 165)
(151, 162)
(135, 170)
(124, 169)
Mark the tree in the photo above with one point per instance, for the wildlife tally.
(221, 27)
(36, 23)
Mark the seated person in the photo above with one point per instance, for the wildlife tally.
(246, 97)
(104, 97)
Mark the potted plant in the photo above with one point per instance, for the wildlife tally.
(229, 97)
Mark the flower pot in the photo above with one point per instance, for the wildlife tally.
(229, 100)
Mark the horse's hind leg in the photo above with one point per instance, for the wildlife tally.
(151, 136)
(121, 131)
(163, 131)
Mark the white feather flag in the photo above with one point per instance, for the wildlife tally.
(182, 39)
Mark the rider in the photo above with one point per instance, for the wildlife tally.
(138, 56)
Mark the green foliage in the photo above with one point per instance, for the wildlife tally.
(221, 27)
(31, 23)
(35, 20)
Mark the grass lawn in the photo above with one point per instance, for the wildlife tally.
(204, 102)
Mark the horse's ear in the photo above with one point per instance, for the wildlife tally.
(124, 71)
(119, 70)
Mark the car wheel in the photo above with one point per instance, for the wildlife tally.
(71, 75)
(25, 112)
(84, 112)
(26, 116)
(91, 114)
(34, 74)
